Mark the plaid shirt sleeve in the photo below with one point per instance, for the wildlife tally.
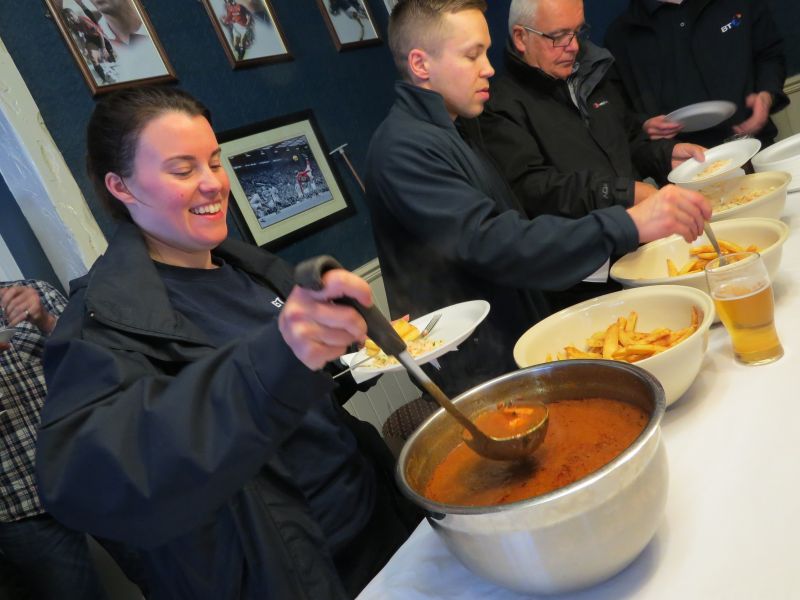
(22, 393)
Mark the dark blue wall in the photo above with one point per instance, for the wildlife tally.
(349, 92)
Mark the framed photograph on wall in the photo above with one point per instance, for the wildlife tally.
(281, 181)
(113, 42)
(248, 31)
(390, 4)
(350, 23)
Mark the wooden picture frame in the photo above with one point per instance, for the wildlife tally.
(109, 56)
(350, 23)
(249, 31)
(282, 185)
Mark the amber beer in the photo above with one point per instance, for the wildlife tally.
(743, 297)
(749, 318)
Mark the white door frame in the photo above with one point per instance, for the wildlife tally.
(41, 182)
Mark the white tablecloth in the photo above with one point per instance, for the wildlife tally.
(732, 523)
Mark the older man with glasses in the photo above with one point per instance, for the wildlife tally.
(559, 131)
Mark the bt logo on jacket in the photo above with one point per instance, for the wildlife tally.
(735, 22)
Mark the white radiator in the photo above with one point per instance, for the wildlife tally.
(393, 389)
(788, 120)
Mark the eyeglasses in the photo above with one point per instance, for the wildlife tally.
(562, 40)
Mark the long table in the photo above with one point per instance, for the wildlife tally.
(732, 524)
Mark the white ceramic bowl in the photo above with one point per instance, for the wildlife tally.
(648, 265)
(783, 156)
(724, 194)
(733, 154)
(658, 306)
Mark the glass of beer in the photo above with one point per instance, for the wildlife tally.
(742, 293)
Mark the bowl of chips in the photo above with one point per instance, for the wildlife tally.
(663, 329)
(756, 195)
(675, 261)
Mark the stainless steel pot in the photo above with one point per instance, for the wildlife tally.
(575, 536)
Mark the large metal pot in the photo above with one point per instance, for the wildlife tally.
(575, 536)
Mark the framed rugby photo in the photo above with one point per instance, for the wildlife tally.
(282, 185)
(112, 41)
(350, 23)
(248, 31)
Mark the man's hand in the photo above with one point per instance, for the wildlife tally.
(642, 191)
(682, 152)
(661, 128)
(760, 103)
(671, 210)
(318, 330)
(4, 346)
(21, 303)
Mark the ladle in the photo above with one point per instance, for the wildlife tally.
(713, 239)
(308, 274)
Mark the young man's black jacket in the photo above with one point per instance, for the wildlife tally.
(566, 159)
(733, 61)
(449, 229)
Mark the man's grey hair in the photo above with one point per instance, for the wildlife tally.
(521, 12)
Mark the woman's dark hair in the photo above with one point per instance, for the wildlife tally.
(114, 129)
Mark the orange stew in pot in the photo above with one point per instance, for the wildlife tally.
(583, 436)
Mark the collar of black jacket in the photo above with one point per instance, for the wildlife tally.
(123, 287)
(593, 64)
(423, 104)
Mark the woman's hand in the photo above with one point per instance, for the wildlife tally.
(316, 329)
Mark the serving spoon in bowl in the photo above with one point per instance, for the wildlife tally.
(519, 446)
(714, 243)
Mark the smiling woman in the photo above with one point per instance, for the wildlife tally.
(188, 371)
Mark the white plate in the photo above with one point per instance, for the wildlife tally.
(456, 324)
(703, 115)
(7, 334)
(736, 153)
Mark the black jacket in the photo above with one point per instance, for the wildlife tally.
(152, 436)
(448, 229)
(564, 159)
(733, 63)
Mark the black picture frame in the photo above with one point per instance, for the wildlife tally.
(264, 40)
(350, 23)
(283, 187)
(110, 60)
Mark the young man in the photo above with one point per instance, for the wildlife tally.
(447, 227)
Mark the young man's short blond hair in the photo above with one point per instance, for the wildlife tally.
(417, 24)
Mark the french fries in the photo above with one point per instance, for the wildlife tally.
(404, 329)
(702, 255)
(621, 341)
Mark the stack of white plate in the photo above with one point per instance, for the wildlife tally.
(783, 156)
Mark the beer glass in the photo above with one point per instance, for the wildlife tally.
(742, 293)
